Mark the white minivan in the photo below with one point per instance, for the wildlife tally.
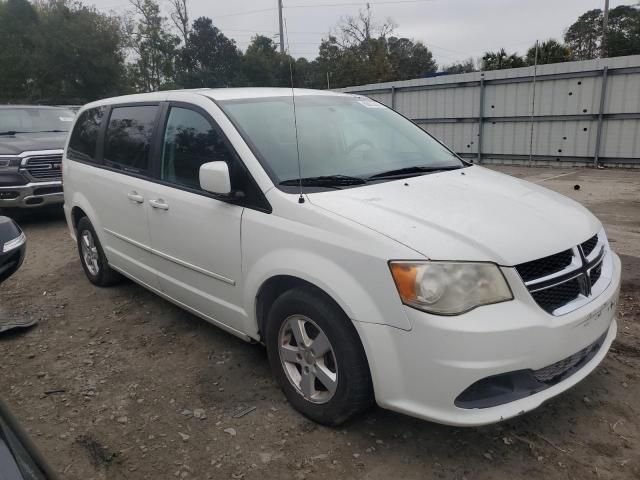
(371, 261)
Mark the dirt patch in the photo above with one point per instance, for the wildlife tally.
(108, 382)
(98, 454)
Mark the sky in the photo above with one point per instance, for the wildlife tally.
(454, 30)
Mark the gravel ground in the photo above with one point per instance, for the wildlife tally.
(119, 384)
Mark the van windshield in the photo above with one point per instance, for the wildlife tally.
(350, 139)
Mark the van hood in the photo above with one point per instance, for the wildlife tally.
(471, 214)
(28, 142)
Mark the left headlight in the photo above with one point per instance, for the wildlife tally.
(449, 288)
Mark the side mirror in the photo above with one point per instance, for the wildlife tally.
(13, 245)
(214, 178)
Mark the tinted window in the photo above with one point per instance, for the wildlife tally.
(189, 141)
(128, 140)
(84, 138)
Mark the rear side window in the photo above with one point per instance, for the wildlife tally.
(84, 138)
(128, 140)
(189, 141)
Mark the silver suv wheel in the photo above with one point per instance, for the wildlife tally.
(308, 359)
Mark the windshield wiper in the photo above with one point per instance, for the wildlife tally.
(411, 171)
(325, 181)
(50, 131)
(10, 132)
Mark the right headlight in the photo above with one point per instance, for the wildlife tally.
(449, 288)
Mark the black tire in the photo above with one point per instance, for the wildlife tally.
(105, 276)
(354, 392)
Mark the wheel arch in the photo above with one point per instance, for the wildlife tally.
(82, 208)
(282, 268)
(272, 288)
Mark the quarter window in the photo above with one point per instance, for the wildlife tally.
(129, 135)
(84, 138)
(189, 141)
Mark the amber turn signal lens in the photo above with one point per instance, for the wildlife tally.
(405, 278)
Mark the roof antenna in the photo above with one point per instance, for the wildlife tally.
(295, 117)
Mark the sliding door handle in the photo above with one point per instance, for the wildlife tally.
(135, 197)
(159, 204)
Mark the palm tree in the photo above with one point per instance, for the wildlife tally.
(501, 59)
(550, 51)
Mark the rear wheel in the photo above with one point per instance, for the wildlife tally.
(317, 358)
(92, 256)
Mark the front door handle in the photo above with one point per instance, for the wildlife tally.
(135, 197)
(159, 204)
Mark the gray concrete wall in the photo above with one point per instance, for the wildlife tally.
(574, 113)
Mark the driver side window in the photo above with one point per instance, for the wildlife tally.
(190, 141)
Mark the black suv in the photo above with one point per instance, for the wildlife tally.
(31, 142)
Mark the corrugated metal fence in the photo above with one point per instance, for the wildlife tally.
(578, 113)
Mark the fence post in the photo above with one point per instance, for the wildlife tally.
(393, 97)
(603, 95)
(480, 120)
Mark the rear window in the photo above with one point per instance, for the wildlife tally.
(84, 138)
(128, 139)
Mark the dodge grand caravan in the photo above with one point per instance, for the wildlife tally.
(371, 261)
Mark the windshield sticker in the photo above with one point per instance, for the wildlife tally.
(66, 119)
(370, 104)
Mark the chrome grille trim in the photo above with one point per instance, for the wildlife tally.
(42, 167)
(598, 262)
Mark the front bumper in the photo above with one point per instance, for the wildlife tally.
(421, 372)
(36, 194)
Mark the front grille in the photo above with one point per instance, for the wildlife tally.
(47, 167)
(557, 296)
(556, 371)
(595, 274)
(557, 280)
(545, 266)
(589, 245)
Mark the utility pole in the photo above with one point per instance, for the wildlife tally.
(533, 103)
(282, 28)
(605, 22)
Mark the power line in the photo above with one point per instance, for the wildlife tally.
(246, 12)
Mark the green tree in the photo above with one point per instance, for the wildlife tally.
(264, 66)
(209, 59)
(363, 51)
(585, 35)
(623, 32)
(585, 38)
(501, 59)
(18, 30)
(550, 51)
(154, 46)
(466, 66)
(409, 59)
(58, 51)
(79, 55)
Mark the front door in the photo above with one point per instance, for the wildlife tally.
(195, 237)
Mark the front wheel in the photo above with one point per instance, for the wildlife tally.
(317, 358)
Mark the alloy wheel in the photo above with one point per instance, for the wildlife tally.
(308, 359)
(90, 253)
